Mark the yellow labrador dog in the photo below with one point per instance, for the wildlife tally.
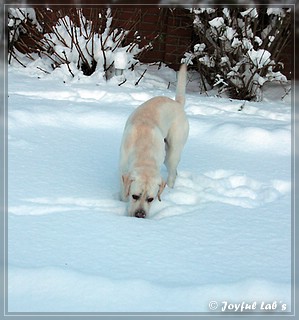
(156, 132)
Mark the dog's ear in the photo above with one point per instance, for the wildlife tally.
(127, 183)
(161, 188)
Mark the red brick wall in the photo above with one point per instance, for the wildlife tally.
(169, 31)
(172, 31)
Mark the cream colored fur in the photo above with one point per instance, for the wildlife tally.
(156, 132)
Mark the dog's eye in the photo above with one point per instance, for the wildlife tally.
(135, 197)
(150, 199)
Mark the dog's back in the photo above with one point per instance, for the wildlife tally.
(156, 121)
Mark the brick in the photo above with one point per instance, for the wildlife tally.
(126, 14)
(173, 58)
(151, 56)
(171, 48)
(148, 27)
(151, 18)
(172, 40)
(184, 41)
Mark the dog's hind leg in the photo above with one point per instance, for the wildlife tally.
(170, 164)
(174, 145)
(172, 160)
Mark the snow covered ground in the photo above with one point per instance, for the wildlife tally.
(223, 234)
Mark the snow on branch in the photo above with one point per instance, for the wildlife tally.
(67, 37)
(238, 50)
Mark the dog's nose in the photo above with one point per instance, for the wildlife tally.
(140, 214)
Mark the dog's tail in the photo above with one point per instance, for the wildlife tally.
(181, 85)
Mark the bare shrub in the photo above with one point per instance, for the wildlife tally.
(239, 50)
(67, 37)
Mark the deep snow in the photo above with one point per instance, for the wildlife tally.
(222, 234)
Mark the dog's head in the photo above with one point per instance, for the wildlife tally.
(142, 190)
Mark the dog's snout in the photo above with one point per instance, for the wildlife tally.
(140, 213)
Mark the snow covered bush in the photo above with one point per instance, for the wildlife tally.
(73, 41)
(239, 50)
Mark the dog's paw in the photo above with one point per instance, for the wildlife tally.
(171, 179)
(170, 182)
